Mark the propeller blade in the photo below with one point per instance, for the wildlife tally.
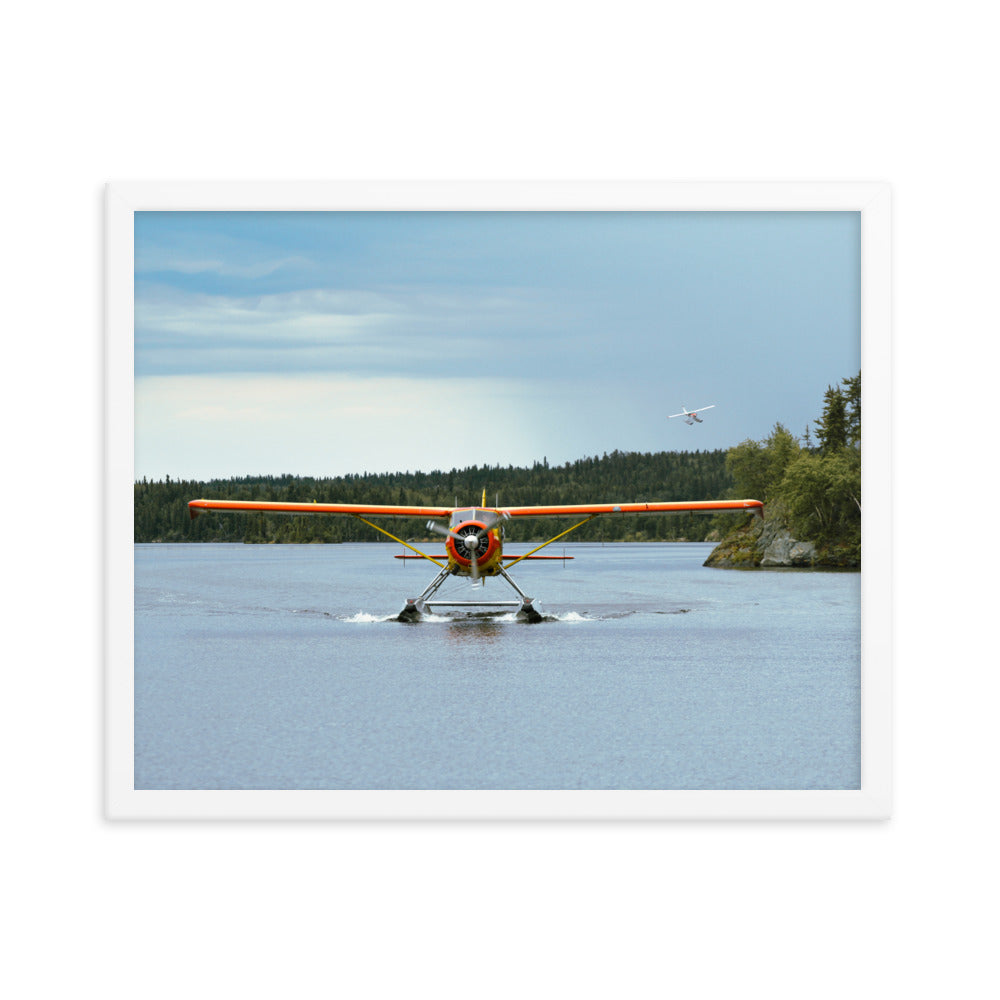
(495, 526)
(431, 526)
(472, 540)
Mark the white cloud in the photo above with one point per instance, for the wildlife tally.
(220, 259)
(276, 316)
(402, 330)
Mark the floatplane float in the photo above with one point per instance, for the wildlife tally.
(474, 538)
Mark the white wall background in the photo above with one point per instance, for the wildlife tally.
(728, 91)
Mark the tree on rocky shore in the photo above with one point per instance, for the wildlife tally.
(814, 493)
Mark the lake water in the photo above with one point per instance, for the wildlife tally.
(282, 667)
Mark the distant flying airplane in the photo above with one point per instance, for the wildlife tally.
(691, 416)
(475, 536)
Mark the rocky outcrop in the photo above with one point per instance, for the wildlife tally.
(770, 544)
(787, 551)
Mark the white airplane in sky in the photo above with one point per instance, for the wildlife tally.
(690, 416)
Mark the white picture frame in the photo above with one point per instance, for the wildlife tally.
(871, 802)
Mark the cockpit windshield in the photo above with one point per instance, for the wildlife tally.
(473, 514)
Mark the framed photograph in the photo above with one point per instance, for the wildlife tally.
(498, 500)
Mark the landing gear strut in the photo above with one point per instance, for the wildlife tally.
(415, 607)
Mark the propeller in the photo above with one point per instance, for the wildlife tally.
(472, 539)
(434, 526)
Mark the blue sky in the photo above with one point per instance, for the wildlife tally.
(345, 342)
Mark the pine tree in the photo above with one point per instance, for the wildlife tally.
(852, 400)
(831, 428)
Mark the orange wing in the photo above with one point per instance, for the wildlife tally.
(196, 507)
(672, 507)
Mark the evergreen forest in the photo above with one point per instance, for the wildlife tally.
(161, 513)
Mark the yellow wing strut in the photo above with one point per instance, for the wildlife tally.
(400, 540)
(514, 562)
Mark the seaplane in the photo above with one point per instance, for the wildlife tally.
(691, 416)
(474, 538)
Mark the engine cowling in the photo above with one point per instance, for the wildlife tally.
(487, 546)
